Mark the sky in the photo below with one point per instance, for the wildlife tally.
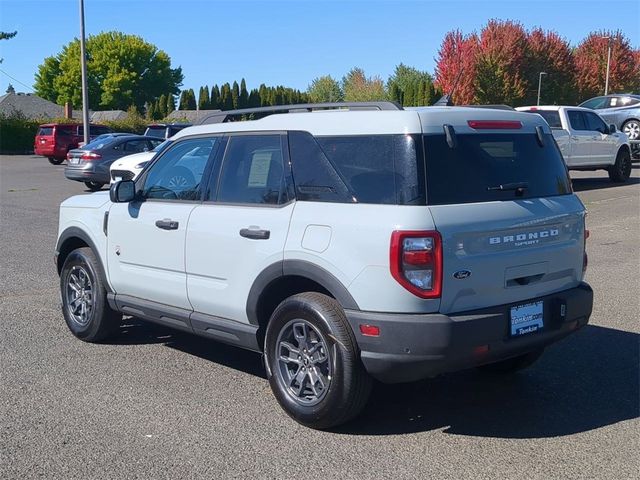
(288, 42)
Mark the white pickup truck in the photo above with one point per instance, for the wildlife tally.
(585, 140)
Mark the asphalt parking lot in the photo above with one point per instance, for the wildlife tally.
(160, 404)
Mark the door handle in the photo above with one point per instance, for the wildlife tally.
(167, 224)
(255, 233)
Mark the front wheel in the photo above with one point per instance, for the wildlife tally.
(55, 161)
(94, 186)
(84, 297)
(632, 129)
(313, 362)
(621, 170)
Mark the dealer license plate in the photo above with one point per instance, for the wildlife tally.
(527, 318)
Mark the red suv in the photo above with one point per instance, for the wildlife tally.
(54, 140)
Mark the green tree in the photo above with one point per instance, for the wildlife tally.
(357, 87)
(162, 106)
(226, 102)
(325, 89)
(235, 94)
(7, 36)
(151, 111)
(410, 86)
(214, 100)
(171, 103)
(122, 70)
(204, 102)
(243, 99)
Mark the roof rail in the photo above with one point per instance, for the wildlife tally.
(227, 116)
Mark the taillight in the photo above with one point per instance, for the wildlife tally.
(416, 262)
(90, 156)
(69, 156)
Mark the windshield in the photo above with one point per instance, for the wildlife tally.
(595, 103)
(161, 146)
(493, 167)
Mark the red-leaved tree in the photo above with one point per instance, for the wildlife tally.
(591, 64)
(549, 53)
(456, 58)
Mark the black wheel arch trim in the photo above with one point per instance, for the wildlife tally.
(300, 268)
(75, 232)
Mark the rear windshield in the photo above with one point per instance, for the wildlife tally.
(99, 143)
(45, 131)
(493, 167)
(158, 131)
(551, 116)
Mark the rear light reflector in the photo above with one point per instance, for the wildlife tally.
(370, 330)
(415, 260)
(495, 124)
(90, 156)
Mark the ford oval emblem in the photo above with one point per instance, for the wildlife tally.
(462, 274)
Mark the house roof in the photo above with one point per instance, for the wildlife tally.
(29, 105)
(108, 115)
(190, 116)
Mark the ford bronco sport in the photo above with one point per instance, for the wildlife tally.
(344, 244)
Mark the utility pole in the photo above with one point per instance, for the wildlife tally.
(606, 82)
(540, 85)
(83, 64)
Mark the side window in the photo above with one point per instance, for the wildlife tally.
(595, 123)
(153, 143)
(177, 174)
(577, 120)
(252, 171)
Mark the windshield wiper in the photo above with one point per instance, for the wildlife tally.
(519, 187)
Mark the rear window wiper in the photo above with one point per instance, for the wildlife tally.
(519, 187)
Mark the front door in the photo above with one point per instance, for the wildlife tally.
(603, 149)
(146, 237)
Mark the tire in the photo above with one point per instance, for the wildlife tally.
(632, 129)
(316, 324)
(621, 170)
(94, 186)
(55, 161)
(84, 297)
(512, 365)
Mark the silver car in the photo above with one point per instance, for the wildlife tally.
(623, 110)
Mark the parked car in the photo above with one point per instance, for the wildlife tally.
(90, 164)
(129, 167)
(165, 130)
(344, 246)
(586, 141)
(54, 140)
(623, 110)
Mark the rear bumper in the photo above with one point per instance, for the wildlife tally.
(57, 152)
(415, 346)
(89, 173)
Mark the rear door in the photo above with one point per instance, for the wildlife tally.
(510, 226)
(241, 228)
(581, 139)
(45, 140)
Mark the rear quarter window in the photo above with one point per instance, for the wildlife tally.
(481, 163)
(552, 117)
(46, 131)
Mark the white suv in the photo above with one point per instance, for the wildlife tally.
(344, 245)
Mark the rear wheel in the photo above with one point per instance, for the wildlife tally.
(621, 170)
(84, 297)
(512, 365)
(94, 186)
(55, 161)
(632, 129)
(313, 362)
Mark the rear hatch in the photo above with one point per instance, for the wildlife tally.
(45, 139)
(512, 229)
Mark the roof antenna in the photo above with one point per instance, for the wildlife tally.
(447, 99)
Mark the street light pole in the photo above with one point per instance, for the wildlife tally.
(606, 82)
(83, 65)
(540, 85)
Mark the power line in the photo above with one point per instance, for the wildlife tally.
(16, 80)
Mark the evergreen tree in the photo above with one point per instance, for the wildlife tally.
(184, 100)
(162, 106)
(204, 103)
(263, 93)
(214, 99)
(235, 94)
(243, 99)
(171, 103)
(226, 102)
(254, 98)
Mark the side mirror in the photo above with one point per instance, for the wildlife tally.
(612, 128)
(123, 191)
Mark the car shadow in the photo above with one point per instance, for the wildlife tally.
(590, 183)
(588, 381)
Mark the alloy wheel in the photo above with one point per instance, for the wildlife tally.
(79, 295)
